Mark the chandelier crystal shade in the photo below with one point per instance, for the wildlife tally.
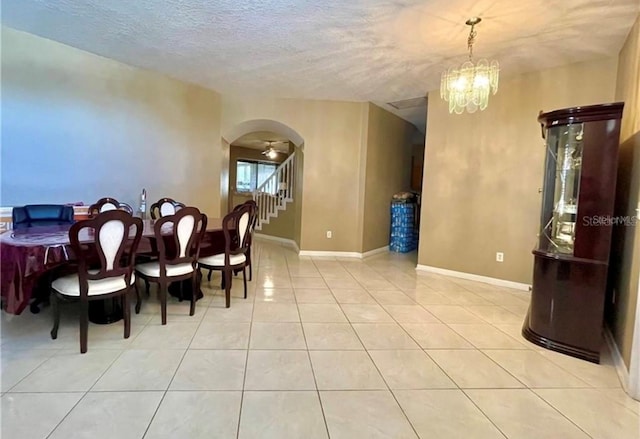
(469, 86)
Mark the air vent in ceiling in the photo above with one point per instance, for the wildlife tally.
(409, 103)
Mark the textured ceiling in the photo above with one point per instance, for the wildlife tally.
(357, 50)
(263, 140)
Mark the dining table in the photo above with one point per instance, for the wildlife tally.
(29, 255)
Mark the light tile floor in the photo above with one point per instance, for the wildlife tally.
(322, 347)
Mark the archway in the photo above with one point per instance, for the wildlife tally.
(254, 125)
(234, 140)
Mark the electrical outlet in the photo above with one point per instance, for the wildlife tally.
(499, 257)
(329, 234)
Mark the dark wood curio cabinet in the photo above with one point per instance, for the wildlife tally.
(572, 258)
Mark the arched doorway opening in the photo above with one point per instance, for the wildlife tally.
(263, 160)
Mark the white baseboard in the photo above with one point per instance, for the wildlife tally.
(330, 254)
(375, 251)
(475, 277)
(621, 368)
(291, 243)
(356, 255)
(282, 241)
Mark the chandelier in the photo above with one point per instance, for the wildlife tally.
(468, 87)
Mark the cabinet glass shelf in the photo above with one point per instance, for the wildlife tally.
(564, 159)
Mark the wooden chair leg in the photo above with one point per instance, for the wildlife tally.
(84, 325)
(227, 288)
(146, 284)
(194, 292)
(162, 286)
(244, 279)
(249, 264)
(209, 275)
(56, 315)
(126, 314)
(138, 301)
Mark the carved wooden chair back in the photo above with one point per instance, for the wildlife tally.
(165, 207)
(112, 233)
(106, 204)
(178, 238)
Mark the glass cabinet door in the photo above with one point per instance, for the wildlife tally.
(562, 185)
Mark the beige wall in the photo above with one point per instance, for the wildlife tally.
(388, 170)
(298, 192)
(332, 147)
(129, 128)
(625, 260)
(483, 170)
(91, 127)
(284, 225)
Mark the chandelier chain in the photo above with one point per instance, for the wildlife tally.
(471, 40)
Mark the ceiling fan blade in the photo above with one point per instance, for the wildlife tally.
(270, 143)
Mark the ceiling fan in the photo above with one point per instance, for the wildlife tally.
(270, 151)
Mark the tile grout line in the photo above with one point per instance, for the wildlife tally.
(382, 375)
(184, 354)
(85, 393)
(313, 372)
(452, 380)
(246, 358)
(558, 410)
(483, 413)
(426, 353)
(407, 333)
(422, 350)
(410, 336)
(274, 258)
(474, 346)
(67, 414)
(393, 395)
(44, 360)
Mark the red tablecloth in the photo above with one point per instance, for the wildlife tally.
(26, 254)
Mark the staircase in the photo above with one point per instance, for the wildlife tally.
(276, 192)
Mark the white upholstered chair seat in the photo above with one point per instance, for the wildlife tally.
(218, 260)
(70, 285)
(152, 269)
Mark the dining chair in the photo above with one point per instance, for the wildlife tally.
(252, 225)
(236, 229)
(178, 239)
(105, 204)
(34, 215)
(164, 207)
(111, 232)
